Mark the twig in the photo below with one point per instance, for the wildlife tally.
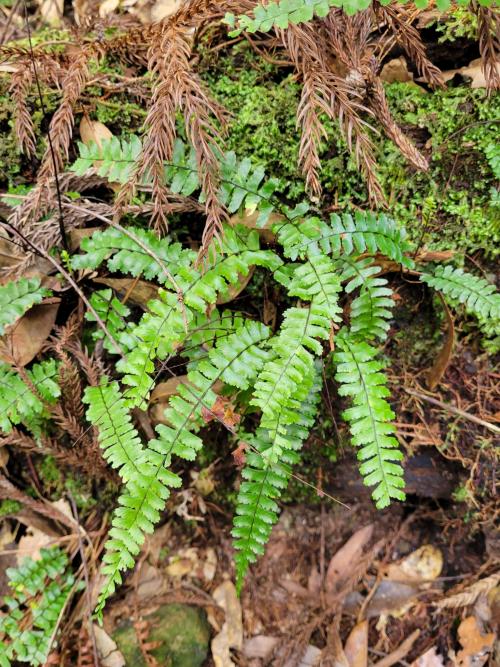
(400, 652)
(453, 409)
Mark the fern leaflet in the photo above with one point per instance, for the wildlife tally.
(17, 297)
(479, 297)
(360, 377)
(264, 481)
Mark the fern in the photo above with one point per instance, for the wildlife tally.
(241, 184)
(18, 403)
(112, 312)
(166, 326)
(285, 12)
(17, 297)
(365, 232)
(40, 590)
(479, 297)
(264, 480)
(123, 254)
(360, 377)
(292, 365)
(235, 360)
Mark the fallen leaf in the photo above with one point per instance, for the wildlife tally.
(391, 596)
(400, 653)
(164, 8)
(51, 12)
(429, 659)
(473, 71)
(149, 582)
(30, 544)
(443, 358)
(107, 7)
(396, 70)
(25, 338)
(138, 292)
(421, 566)
(476, 646)
(107, 649)
(259, 646)
(223, 411)
(231, 634)
(9, 253)
(356, 646)
(346, 558)
(94, 131)
(4, 456)
(76, 235)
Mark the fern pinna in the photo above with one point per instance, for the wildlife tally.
(39, 591)
(339, 309)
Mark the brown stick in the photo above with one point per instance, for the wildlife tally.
(453, 409)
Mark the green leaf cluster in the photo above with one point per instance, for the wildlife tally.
(39, 592)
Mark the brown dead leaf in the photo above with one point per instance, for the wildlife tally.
(400, 653)
(356, 646)
(107, 7)
(346, 558)
(9, 253)
(396, 70)
(25, 338)
(476, 646)
(223, 411)
(97, 132)
(429, 659)
(51, 12)
(442, 361)
(138, 292)
(76, 235)
(421, 566)
(472, 71)
(107, 649)
(94, 131)
(164, 8)
(231, 634)
(4, 457)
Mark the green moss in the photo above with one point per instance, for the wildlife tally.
(8, 507)
(457, 127)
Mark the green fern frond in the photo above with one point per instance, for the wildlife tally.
(285, 12)
(166, 326)
(479, 297)
(265, 480)
(18, 403)
(242, 185)
(112, 312)
(124, 255)
(236, 360)
(365, 232)
(17, 297)
(292, 365)
(40, 590)
(371, 310)
(360, 376)
(118, 438)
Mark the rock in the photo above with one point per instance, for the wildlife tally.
(182, 632)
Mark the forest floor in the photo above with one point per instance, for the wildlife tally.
(415, 584)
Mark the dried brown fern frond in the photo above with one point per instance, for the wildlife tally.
(20, 86)
(325, 93)
(379, 105)
(351, 43)
(399, 21)
(488, 27)
(61, 125)
(177, 88)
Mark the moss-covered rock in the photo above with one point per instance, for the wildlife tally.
(182, 632)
